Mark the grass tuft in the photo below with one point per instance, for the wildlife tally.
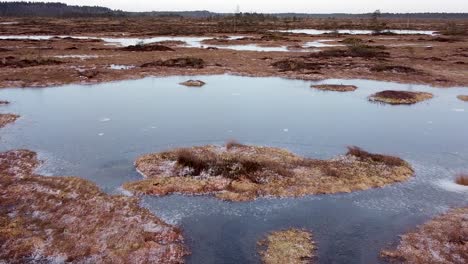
(387, 160)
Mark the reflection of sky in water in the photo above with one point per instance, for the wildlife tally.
(97, 131)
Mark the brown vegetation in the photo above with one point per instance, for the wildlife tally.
(335, 87)
(193, 83)
(463, 97)
(442, 240)
(462, 179)
(393, 69)
(14, 62)
(67, 219)
(291, 246)
(5, 119)
(400, 97)
(4, 102)
(240, 172)
(187, 62)
(147, 47)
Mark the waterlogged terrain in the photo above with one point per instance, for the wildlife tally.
(97, 132)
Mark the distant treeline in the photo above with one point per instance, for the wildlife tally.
(41, 9)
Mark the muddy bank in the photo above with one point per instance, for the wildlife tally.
(441, 240)
(239, 172)
(289, 246)
(400, 97)
(67, 219)
(6, 119)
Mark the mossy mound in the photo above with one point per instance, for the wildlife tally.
(442, 240)
(240, 173)
(463, 97)
(335, 87)
(292, 246)
(6, 119)
(193, 83)
(400, 97)
(69, 220)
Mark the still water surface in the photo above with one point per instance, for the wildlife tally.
(97, 131)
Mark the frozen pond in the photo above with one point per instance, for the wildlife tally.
(97, 131)
(358, 32)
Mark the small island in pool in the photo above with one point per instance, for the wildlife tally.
(238, 172)
(6, 119)
(335, 87)
(293, 246)
(463, 97)
(441, 240)
(400, 97)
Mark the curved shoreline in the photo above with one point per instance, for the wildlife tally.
(243, 173)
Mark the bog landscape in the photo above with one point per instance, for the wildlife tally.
(232, 137)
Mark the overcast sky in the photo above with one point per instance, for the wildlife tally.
(273, 6)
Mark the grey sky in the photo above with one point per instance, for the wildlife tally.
(269, 6)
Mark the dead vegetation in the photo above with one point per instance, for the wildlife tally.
(442, 240)
(185, 62)
(462, 179)
(335, 87)
(6, 119)
(463, 97)
(240, 172)
(14, 62)
(67, 219)
(193, 83)
(400, 97)
(147, 47)
(393, 69)
(292, 246)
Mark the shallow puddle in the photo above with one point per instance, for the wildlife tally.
(97, 131)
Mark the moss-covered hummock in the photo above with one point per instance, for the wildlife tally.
(193, 83)
(400, 97)
(463, 97)
(442, 240)
(335, 87)
(69, 220)
(240, 173)
(5, 119)
(291, 246)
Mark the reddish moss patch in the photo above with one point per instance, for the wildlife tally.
(442, 240)
(67, 219)
(240, 173)
(6, 119)
(193, 83)
(400, 97)
(187, 62)
(335, 87)
(292, 246)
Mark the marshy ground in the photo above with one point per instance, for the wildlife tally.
(68, 219)
(439, 60)
(444, 239)
(239, 172)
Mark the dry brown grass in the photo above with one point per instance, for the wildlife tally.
(400, 97)
(6, 119)
(335, 87)
(240, 172)
(442, 240)
(13, 62)
(462, 179)
(67, 219)
(193, 83)
(185, 62)
(463, 97)
(291, 246)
